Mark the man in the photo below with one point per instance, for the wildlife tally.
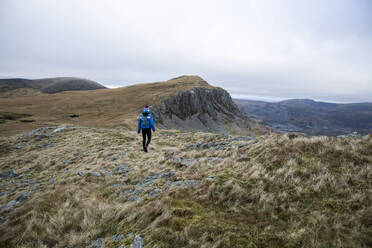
(146, 123)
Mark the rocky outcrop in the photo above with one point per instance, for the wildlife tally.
(202, 109)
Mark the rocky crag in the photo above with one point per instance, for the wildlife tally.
(203, 109)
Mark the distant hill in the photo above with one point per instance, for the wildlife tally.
(47, 85)
(311, 117)
(184, 103)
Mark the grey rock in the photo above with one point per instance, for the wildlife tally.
(10, 205)
(66, 161)
(59, 129)
(197, 171)
(36, 187)
(188, 162)
(176, 160)
(133, 198)
(207, 110)
(184, 183)
(96, 173)
(153, 193)
(117, 185)
(95, 243)
(137, 190)
(19, 146)
(24, 196)
(80, 173)
(214, 159)
(46, 145)
(138, 242)
(107, 173)
(39, 137)
(150, 180)
(8, 174)
(5, 193)
(52, 181)
(122, 246)
(117, 237)
(182, 162)
(123, 168)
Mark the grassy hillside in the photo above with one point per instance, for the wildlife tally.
(75, 185)
(47, 85)
(95, 108)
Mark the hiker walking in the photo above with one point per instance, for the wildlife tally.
(146, 123)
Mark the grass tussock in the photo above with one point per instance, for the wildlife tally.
(272, 191)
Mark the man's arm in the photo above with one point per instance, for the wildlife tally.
(139, 125)
(152, 124)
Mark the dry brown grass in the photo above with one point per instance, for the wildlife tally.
(278, 192)
(96, 108)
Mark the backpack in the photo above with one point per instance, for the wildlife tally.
(145, 121)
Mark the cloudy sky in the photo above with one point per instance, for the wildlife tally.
(259, 49)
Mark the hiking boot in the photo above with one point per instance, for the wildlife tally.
(145, 149)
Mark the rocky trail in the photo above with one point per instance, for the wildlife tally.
(73, 186)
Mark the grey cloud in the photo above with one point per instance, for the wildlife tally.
(279, 49)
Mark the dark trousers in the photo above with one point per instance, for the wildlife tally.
(146, 132)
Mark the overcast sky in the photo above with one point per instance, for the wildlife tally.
(260, 49)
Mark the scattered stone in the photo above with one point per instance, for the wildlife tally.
(36, 187)
(8, 174)
(39, 137)
(117, 237)
(138, 242)
(188, 162)
(4, 193)
(183, 162)
(176, 160)
(123, 168)
(96, 173)
(117, 185)
(133, 198)
(122, 246)
(197, 171)
(150, 180)
(214, 159)
(59, 129)
(153, 193)
(80, 173)
(52, 181)
(46, 145)
(183, 184)
(19, 146)
(95, 243)
(24, 196)
(66, 161)
(107, 173)
(10, 205)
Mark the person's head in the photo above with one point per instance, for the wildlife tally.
(146, 110)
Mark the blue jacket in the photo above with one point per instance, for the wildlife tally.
(145, 122)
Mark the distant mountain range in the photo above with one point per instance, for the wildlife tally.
(311, 117)
(15, 87)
